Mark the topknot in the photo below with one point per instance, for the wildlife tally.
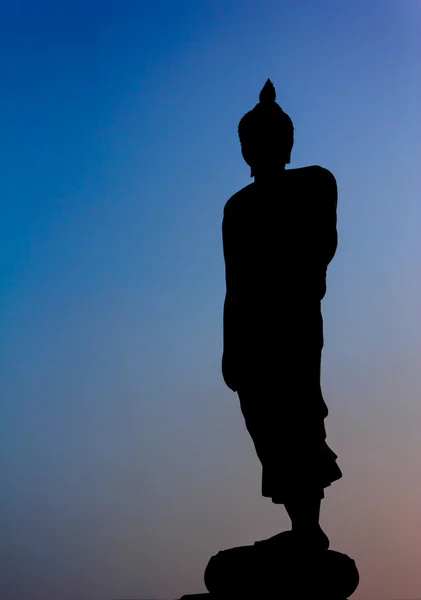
(268, 93)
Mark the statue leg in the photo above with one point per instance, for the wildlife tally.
(297, 463)
(304, 512)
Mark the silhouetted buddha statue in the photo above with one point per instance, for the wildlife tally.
(279, 235)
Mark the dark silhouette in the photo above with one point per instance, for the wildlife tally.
(279, 236)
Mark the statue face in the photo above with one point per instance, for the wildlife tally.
(267, 153)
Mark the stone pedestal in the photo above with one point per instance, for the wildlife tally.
(282, 573)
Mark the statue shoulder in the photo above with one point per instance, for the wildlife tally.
(239, 197)
(324, 182)
(324, 175)
(312, 173)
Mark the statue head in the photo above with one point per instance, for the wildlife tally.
(266, 134)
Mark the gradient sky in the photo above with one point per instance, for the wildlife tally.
(125, 463)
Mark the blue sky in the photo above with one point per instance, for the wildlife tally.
(125, 459)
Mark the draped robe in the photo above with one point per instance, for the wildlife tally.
(278, 239)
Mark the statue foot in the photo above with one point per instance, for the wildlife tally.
(306, 540)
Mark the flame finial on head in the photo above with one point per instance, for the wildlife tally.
(268, 93)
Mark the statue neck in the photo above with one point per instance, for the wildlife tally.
(262, 176)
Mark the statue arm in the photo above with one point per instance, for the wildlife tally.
(229, 357)
(330, 232)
